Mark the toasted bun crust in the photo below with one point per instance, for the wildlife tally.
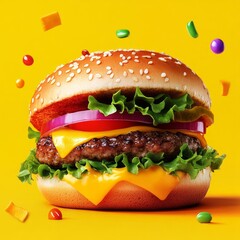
(126, 196)
(102, 73)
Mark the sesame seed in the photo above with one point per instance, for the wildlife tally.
(98, 62)
(123, 58)
(32, 100)
(40, 88)
(133, 53)
(125, 61)
(98, 52)
(150, 62)
(120, 63)
(38, 95)
(146, 71)
(41, 100)
(136, 56)
(141, 72)
(59, 72)
(121, 55)
(71, 65)
(146, 56)
(81, 58)
(148, 77)
(60, 66)
(67, 71)
(72, 74)
(49, 79)
(53, 81)
(125, 74)
(136, 60)
(98, 75)
(58, 84)
(184, 74)
(163, 74)
(162, 59)
(109, 72)
(79, 70)
(68, 79)
(88, 70)
(93, 56)
(166, 79)
(112, 75)
(90, 77)
(179, 63)
(86, 65)
(108, 68)
(118, 80)
(75, 67)
(107, 54)
(35, 109)
(153, 54)
(129, 57)
(130, 70)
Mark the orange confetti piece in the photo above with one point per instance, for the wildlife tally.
(20, 83)
(50, 21)
(17, 212)
(226, 86)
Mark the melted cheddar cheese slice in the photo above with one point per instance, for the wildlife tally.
(65, 139)
(154, 179)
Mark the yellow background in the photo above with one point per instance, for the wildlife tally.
(87, 24)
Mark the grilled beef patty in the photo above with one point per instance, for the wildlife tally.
(133, 144)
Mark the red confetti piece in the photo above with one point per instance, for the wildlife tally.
(85, 52)
(55, 214)
(28, 60)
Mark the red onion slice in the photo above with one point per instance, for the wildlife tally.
(95, 115)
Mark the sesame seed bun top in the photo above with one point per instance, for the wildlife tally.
(102, 73)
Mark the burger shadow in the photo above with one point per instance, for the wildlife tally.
(223, 205)
(229, 205)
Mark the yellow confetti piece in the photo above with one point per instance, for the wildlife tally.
(50, 21)
(19, 213)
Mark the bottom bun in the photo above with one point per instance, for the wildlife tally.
(126, 196)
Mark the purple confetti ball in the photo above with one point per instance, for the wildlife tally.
(217, 46)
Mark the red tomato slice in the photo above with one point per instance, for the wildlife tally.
(103, 125)
(94, 121)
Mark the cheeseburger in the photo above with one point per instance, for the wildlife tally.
(121, 129)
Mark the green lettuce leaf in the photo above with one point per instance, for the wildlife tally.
(33, 134)
(160, 108)
(187, 161)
